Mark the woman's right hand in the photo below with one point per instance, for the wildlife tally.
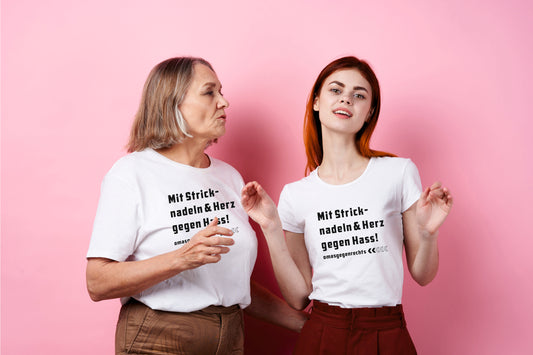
(260, 207)
(108, 278)
(205, 247)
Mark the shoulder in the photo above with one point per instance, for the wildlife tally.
(302, 186)
(303, 182)
(385, 170)
(393, 164)
(220, 166)
(392, 161)
(226, 173)
(129, 163)
(130, 169)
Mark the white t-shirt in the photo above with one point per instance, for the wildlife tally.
(353, 232)
(150, 205)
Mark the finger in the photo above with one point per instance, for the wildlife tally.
(210, 231)
(436, 190)
(423, 200)
(246, 193)
(449, 200)
(212, 227)
(250, 184)
(263, 195)
(437, 193)
(217, 250)
(437, 184)
(249, 188)
(425, 194)
(213, 223)
(216, 240)
(211, 259)
(260, 191)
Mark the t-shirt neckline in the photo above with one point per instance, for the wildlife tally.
(354, 181)
(166, 160)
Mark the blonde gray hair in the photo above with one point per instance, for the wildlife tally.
(159, 122)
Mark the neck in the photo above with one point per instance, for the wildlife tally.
(341, 161)
(189, 152)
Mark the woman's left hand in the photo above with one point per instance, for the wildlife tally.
(433, 207)
(259, 205)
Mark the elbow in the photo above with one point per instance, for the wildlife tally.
(424, 274)
(424, 280)
(92, 286)
(299, 304)
(95, 298)
(94, 293)
(96, 283)
(297, 300)
(96, 288)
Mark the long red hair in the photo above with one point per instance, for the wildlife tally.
(313, 128)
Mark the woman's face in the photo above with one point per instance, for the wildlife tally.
(344, 101)
(203, 105)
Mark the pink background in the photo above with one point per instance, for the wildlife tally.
(457, 83)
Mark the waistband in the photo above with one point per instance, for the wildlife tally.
(377, 318)
(221, 309)
(209, 309)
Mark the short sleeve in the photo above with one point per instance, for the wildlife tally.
(287, 212)
(411, 185)
(117, 221)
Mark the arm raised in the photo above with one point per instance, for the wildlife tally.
(289, 256)
(421, 223)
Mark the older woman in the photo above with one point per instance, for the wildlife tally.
(170, 236)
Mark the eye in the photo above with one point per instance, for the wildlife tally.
(210, 93)
(359, 96)
(335, 90)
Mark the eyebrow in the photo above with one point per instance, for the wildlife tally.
(210, 84)
(342, 85)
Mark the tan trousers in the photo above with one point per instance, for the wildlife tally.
(213, 330)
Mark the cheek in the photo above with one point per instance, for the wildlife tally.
(193, 110)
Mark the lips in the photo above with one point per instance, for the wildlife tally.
(342, 113)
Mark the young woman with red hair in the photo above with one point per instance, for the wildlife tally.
(346, 223)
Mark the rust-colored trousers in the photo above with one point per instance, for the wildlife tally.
(213, 330)
(355, 331)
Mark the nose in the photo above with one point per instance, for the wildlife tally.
(222, 102)
(346, 99)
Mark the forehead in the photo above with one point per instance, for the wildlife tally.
(203, 75)
(349, 77)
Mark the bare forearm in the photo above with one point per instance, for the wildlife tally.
(270, 308)
(291, 280)
(292, 283)
(112, 279)
(426, 263)
(107, 279)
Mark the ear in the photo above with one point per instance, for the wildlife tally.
(316, 104)
(370, 113)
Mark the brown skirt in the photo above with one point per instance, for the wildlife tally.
(368, 331)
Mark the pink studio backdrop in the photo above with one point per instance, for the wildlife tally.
(457, 81)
